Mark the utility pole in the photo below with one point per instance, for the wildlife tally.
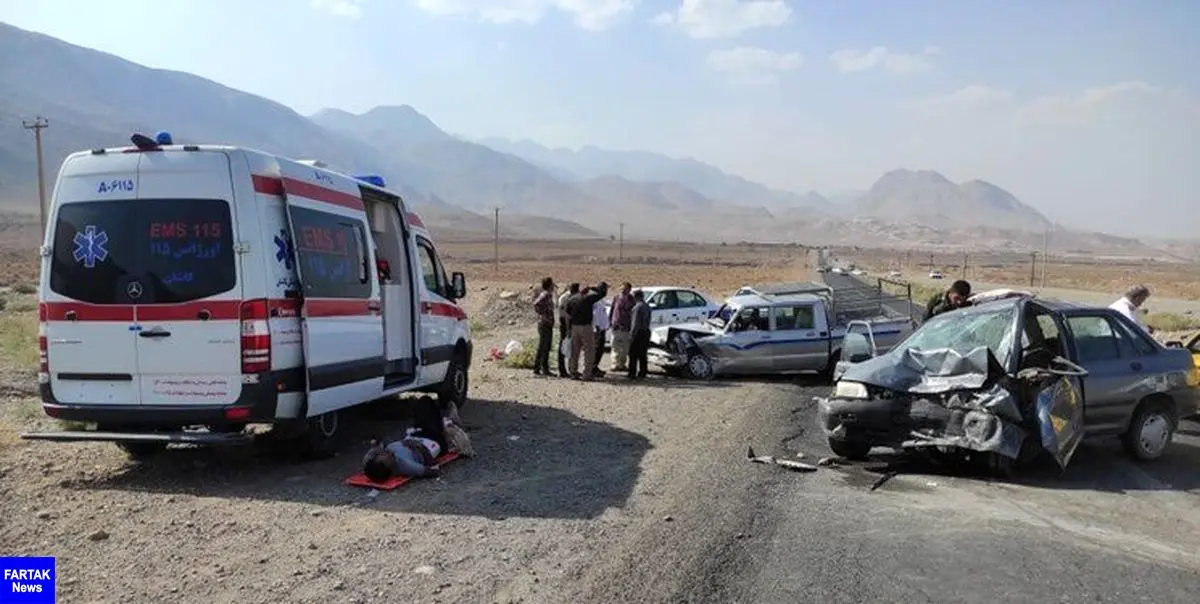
(931, 261)
(621, 245)
(496, 244)
(966, 261)
(1045, 253)
(1032, 267)
(37, 125)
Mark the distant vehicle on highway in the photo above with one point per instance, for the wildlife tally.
(935, 274)
(894, 275)
(1002, 381)
(837, 270)
(859, 272)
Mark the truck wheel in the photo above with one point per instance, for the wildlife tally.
(700, 367)
(1150, 431)
(850, 449)
(455, 386)
(142, 451)
(321, 435)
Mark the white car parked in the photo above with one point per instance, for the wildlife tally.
(935, 274)
(674, 305)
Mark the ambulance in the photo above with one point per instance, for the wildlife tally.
(188, 291)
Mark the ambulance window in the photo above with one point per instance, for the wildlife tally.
(429, 267)
(144, 251)
(332, 254)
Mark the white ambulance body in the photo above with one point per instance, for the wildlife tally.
(215, 286)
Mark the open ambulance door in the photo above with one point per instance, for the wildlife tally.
(341, 316)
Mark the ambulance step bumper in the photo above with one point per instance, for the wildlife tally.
(209, 439)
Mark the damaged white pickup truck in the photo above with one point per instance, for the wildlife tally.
(778, 329)
(1005, 381)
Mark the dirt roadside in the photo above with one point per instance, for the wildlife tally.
(574, 484)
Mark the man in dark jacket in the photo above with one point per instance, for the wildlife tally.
(583, 338)
(639, 329)
(952, 299)
(543, 305)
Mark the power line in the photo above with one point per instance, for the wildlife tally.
(37, 125)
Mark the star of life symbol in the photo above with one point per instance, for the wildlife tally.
(283, 250)
(89, 246)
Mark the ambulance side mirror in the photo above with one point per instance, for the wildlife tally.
(458, 285)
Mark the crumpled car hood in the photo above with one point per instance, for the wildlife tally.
(927, 371)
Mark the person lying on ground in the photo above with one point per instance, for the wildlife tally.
(416, 454)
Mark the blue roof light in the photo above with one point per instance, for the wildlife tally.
(374, 179)
(163, 138)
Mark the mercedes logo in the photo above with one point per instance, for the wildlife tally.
(134, 290)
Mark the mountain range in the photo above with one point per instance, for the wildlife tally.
(94, 99)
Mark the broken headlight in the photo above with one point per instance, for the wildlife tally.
(854, 390)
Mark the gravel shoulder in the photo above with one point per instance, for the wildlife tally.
(575, 484)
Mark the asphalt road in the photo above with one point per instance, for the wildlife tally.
(1104, 531)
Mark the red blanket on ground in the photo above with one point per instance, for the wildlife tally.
(361, 480)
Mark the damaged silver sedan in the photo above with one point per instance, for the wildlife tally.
(1004, 381)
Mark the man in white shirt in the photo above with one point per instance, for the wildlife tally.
(600, 325)
(1131, 302)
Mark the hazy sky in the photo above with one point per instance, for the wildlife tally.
(1088, 110)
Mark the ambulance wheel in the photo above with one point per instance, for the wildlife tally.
(456, 384)
(141, 451)
(322, 435)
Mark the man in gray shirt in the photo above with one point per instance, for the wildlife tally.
(639, 336)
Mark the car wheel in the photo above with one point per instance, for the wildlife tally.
(850, 449)
(457, 383)
(1150, 432)
(700, 367)
(321, 435)
(142, 451)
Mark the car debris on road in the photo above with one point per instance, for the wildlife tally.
(795, 466)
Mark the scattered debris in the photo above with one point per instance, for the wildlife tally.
(668, 518)
(97, 536)
(829, 461)
(783, 463)
(507, 295)
(882, 479)
(44, 515)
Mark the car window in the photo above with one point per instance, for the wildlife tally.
(429, 267)
(756, 319)
(1133, 342)
(1094, 338)
(793, 317)
(143, 251)
(664, 300)
(689, 299)
(333, 254)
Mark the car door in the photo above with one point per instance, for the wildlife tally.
(664, 308)
(439, 316)
(1114, 383)
(691, 306)
(798, 344)
(341, 316)
(745, 347)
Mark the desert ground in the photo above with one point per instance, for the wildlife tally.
(592, 492)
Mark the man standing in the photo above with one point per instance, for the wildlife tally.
(583, 339)
(621, 317)
(1131, 303)
(543, 305)
(952, 299)
(600, 327)
(564, 326)
(639, 343)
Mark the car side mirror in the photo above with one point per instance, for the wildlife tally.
(653, 305)
(458, 285)
(856, 348)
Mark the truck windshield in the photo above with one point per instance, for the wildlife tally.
(143, 251)
(963, 331)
